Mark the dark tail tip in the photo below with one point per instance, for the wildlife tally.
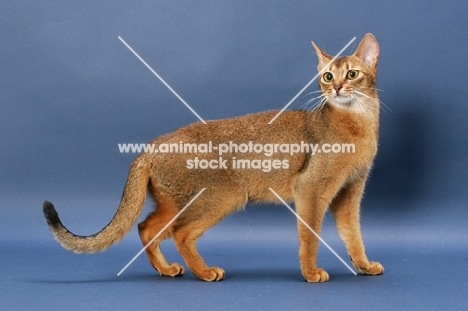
(51, 215)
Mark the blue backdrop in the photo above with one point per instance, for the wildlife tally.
(71, 91)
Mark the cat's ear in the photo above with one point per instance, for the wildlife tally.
(368, 51)
(323, 57)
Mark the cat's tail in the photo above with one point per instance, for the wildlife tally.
(130, 207)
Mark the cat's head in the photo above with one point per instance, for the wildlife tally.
(349, 81)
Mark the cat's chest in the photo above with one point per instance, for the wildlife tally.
(355, 127)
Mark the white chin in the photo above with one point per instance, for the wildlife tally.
(342, 101)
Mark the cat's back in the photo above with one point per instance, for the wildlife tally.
(289, 125)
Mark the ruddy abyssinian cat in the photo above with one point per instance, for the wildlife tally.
(348, 113)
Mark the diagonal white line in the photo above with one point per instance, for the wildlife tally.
(160, 232)
(313, 79)
(162, 80)
(312, 230)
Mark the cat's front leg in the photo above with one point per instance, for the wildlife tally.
(313, 215)
(345, 208)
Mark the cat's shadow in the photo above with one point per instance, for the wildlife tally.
(232, 276)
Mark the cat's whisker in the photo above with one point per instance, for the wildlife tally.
(318, 91)
(319, 107)
(383, 105)
(316, 108)
(371, 88)
(357, 102)
(363, 104)
(304, 106)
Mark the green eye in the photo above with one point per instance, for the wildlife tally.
(352, 74)
(327, 76)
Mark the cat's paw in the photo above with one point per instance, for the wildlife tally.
(211, 274)
(317, 275)
(371, 268)
(174, 269)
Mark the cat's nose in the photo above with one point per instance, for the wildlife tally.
(337, 88)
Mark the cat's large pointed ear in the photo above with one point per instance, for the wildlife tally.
(323, 57)
(368, 51)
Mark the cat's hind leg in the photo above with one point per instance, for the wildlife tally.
(186, 238)
(205, 212)
(200, 216)
(149, 228)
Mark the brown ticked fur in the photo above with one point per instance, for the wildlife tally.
(316, 183)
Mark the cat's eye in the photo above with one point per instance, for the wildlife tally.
(352, 74)
(327, 77)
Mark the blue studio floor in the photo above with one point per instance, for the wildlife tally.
(425, 256)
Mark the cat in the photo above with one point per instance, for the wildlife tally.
(348, 113)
